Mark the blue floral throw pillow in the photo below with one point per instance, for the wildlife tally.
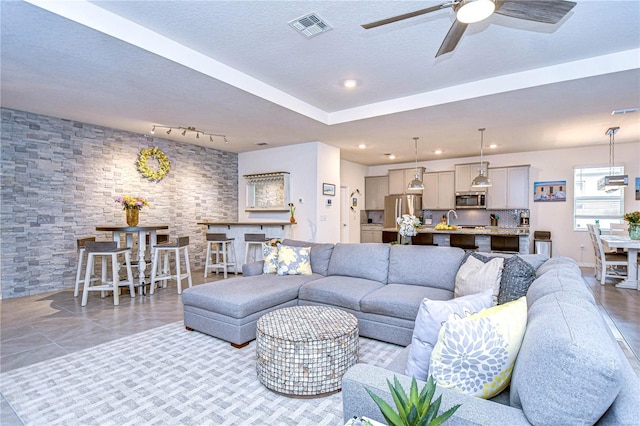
(294, 261)
(270, 254)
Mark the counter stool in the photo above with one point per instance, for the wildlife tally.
(80, 242)
(223, 246)
(464, 241)
(254, 241)
(505, 244)
(423, 239)
(181, 244)
(104, 250)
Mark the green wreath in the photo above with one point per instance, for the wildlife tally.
(164, 165)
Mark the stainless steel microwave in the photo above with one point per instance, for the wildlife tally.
(471, 200)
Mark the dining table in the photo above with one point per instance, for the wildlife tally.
(632, 246)
(142, 232)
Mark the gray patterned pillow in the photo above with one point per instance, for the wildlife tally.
(517, 276)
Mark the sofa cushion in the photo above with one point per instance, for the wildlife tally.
(400, 300)
(517, 276)
(424, 265)
(431, 315)
(368, 261)
(242, 296)
(479, 273)
(559, 281)
(294, 260)
(475, 355)
(556, 263)
(338, 291)
(568, 370)
(320, 254)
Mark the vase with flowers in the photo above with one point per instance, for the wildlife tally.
(633, 219)
(132, 206)
(292, 212)
(408, 224)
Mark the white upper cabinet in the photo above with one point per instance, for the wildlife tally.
(399, 180)
(375, 189)
(510, 188)
(439, 191)
(465, 173)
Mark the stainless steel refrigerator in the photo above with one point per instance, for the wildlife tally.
(397, 205)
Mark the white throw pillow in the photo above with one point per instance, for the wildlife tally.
(475, 355)
(475, 276)
(432, 314)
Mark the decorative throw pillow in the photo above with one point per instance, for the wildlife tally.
(431, 316)
(270, 254)
(475, 355)
(294, 261)
(475, 276)
(517, 276)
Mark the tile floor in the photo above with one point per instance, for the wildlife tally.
(46, 326)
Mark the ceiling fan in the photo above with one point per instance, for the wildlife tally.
(470, 11)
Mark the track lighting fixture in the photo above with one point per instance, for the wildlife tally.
(188, 129)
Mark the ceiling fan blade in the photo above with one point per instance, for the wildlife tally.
(405, 16)
(452, 38)
(547, 11)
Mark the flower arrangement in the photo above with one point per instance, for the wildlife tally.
(632, 217)
(129, 202)
(408, 225)
(292, 211)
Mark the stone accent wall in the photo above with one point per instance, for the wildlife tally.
(59, 180)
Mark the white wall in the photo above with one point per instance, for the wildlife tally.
(309, 164)
(352, 176)
(556, 217)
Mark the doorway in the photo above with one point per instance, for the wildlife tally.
(344, 214)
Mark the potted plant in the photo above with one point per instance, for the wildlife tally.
(415, 409)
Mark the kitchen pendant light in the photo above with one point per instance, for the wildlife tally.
(481, 181)
(612, 182)
(416, 184)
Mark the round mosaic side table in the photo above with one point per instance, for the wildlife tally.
(305, 350)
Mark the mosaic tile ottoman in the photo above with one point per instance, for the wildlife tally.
(303, 351)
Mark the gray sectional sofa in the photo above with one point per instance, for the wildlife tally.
(570, 369)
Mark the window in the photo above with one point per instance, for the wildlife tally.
(591, 204)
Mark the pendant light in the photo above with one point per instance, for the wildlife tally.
(481, 181)
(612, 182)
(416, 184)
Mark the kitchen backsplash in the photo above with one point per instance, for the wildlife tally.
(478, 217)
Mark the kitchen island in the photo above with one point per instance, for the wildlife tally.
(237, 230)
(482, 235)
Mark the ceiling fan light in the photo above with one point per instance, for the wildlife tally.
(470, 11)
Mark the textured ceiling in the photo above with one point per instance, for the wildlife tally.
(237, 68)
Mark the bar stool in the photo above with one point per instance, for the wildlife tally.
(223, 246)
(80, 242)
(423, 239)
(104, 250)
(464, 241)
(181, 244)
(254, 241)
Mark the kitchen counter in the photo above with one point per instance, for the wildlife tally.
(486, 230)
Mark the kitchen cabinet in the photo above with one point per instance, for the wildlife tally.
(509, 189)
(370, 233)
(465, 173)
(439, 191)
(399, 180)
(375, 189)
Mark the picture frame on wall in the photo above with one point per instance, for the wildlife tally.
(554, 190)
(638, 188)
(329, 189)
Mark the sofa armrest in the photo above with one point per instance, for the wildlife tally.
(473, 411)
(253, 268)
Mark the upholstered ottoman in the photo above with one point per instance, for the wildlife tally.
(304, 350)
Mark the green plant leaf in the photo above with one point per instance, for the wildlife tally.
(399, 398)
(432, 412)
(389, 415)
(401, 392)
(412, 418)
(444, 416)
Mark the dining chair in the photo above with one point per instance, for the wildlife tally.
(619, 229)
(608, 265)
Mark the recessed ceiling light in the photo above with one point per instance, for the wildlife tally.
(362, 146)
(438, 151)
(624, 111)
(350, 84)
(493, 146)
(392, 157)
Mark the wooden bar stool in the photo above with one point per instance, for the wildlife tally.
(181, 244)
(423, 239)
(464, 241)
(254, 241)
(104, 250)
(80, 242)
(223, 247)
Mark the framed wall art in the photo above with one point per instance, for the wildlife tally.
(555, 190)
(328, 189)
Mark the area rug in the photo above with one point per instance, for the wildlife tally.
(165, 376)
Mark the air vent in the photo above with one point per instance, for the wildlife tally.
(262, 143)
(310, 25)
